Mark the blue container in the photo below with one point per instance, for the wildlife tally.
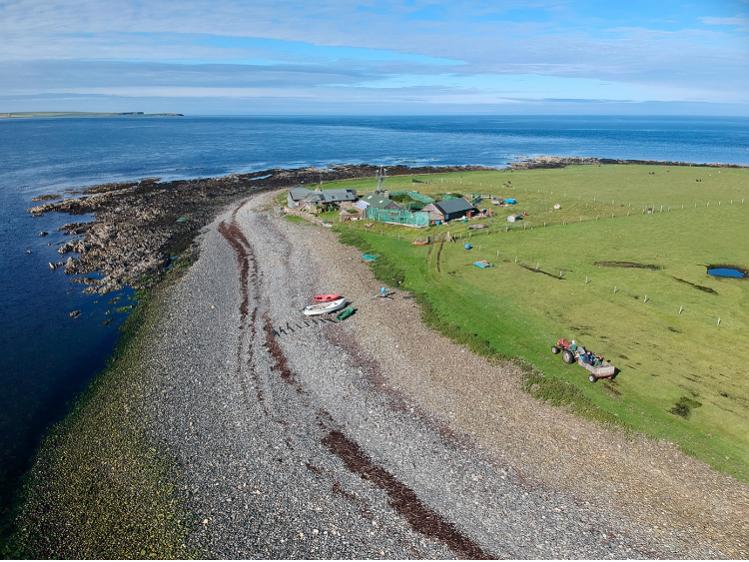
(730, 272)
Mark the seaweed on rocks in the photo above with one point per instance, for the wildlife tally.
(138, 225)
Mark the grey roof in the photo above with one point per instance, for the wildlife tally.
(299, 193)
(454, 206)
(337, 195)
(379, 201)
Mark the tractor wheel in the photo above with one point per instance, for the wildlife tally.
(568, 357)
(592, 378)
(555, 350)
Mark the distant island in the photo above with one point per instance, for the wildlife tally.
(37, 114)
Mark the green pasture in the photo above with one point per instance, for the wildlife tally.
(680, 337)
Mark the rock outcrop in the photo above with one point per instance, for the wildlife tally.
(138, 226)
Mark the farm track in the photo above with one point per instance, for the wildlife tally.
(312, 439)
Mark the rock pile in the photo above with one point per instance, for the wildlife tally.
(137, 226)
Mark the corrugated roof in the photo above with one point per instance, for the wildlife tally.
(299, 193)
(451, 206)
(335, 195)
(379, 201)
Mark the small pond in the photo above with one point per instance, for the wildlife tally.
(728, 271)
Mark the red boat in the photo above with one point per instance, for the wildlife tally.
(327, 297)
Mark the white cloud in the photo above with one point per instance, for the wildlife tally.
(58, 43)
(735, 21)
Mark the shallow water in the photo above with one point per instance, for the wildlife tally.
(46, 358)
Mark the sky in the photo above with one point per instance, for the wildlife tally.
(654, 57)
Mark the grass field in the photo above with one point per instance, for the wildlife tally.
(683, 372)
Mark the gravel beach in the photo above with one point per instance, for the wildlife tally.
(377, 437)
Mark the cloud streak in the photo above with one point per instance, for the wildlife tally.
(472, 52)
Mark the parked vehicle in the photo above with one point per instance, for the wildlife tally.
(596, 365)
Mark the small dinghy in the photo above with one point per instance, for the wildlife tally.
(324, 307)
(329, 297)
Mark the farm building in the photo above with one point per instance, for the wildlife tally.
(331, 196)
(296, 195)
(379, 200)
(451, 209)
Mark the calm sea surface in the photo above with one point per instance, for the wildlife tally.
(46, 358)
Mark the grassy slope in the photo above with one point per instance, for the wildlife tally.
(665, 357)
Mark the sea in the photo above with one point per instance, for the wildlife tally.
(48, 358)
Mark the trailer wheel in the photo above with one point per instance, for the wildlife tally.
(555, 349)
(592, 378)
(568, 357)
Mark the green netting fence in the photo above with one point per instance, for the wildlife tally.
(399, 216)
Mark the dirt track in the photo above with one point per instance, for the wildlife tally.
(377, 437)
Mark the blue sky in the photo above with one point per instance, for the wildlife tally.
(376, 57)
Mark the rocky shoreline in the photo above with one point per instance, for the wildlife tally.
(139, 226)
(562, 161)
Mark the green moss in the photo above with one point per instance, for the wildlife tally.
(99, 487)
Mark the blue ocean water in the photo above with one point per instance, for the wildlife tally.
(46, 358)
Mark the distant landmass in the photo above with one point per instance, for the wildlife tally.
(35, 114)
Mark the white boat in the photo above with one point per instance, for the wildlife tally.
(324, 307)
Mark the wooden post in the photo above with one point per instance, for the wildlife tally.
(645, 300)
(681, 309)
(718, 324)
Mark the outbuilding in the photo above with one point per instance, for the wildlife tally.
(296, 195)
(450, 209)
(379, 200)
(329, 196)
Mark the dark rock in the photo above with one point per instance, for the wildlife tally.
(138, 225)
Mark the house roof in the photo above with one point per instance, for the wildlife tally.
(337, 195)
(380, 201)
(451, 206)
(298, 193)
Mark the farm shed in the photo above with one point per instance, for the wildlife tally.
(451, 209)
(435, 214)
(329, 196)
(296, 195)
(379, 200)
